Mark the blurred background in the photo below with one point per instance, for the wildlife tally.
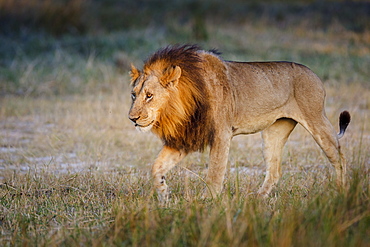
(74, 170)
(53, 47)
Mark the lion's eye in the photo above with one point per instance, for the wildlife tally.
(149, 96)
(133, 96)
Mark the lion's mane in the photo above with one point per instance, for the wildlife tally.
(185, 122)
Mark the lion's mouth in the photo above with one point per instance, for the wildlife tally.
(144, 128)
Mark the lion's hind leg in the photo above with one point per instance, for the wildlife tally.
(324, 134)
(274, 139)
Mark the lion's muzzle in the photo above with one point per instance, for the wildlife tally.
(134, 119)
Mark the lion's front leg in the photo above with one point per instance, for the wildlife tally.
(274, 139)
(166, 160)
(217, 165)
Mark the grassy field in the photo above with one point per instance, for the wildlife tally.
(75, 172)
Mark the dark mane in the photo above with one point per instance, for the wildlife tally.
(194, 130)
(185, 56)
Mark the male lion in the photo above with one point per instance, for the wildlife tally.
(192, 98)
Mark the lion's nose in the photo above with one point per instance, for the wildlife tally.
(134, 119)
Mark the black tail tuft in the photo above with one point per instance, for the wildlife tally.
(344, 120)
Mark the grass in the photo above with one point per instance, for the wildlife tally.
(74, 171)
(94, 208)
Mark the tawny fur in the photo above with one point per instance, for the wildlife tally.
(191, 99)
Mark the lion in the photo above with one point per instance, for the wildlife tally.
(191, 98)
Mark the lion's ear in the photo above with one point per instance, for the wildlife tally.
(134, 73)
(171, 76)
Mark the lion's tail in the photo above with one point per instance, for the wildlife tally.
(344, 120)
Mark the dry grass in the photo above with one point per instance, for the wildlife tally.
(74, 171)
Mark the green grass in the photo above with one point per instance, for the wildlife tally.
(75, 65)
(75, 172)
(35, 62)
(92, 208)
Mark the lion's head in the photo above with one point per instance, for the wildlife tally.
(150, 95)
(169, 98)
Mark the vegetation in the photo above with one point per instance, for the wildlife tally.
(74, 171)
